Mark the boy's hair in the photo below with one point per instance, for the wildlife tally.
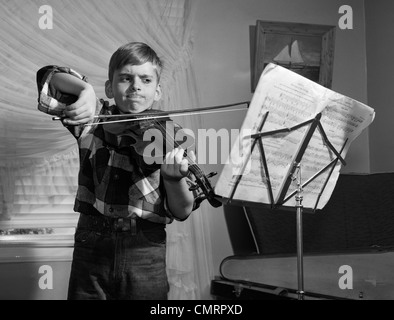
(135, 53)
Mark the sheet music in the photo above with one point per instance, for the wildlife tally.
(291, 99)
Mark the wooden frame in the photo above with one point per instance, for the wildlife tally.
(307, 49)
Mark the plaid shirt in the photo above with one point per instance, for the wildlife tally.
(110, 182)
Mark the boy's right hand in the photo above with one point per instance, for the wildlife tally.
(83, 110)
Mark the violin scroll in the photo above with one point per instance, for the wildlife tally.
(203, 183)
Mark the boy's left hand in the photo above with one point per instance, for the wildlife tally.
(175, 166)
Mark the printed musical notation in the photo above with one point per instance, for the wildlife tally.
(288, 100)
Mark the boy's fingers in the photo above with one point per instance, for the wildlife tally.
(76, 112)
(73, 113)
(179, 155)
(70, 122)
(167, 158)
(181, 161)
(184, 168)
(75, 106)
(192, 156)
(81, 119)
(83, 116)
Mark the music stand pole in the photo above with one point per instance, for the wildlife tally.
(300, 265)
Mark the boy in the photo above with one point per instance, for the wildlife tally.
(119, 250)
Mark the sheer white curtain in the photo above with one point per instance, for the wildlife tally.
(84, 35)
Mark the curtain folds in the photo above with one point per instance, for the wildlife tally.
(83, 37)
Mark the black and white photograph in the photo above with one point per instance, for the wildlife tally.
(199, 156)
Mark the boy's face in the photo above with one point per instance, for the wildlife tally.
(134, 88)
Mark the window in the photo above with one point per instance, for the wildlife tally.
(42, 206)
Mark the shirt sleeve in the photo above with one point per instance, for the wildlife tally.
(195, 204)
(53, 101)
(50, 100)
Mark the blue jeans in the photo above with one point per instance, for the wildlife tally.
(114, 264)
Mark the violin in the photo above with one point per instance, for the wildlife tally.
(149, 138)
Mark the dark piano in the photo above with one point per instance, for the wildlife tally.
(347, 246)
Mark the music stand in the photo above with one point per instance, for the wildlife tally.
(294, 174)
